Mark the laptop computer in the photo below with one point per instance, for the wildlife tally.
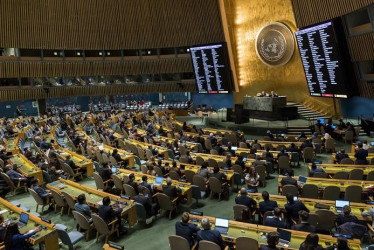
(284, 237)
(222, 225)
(23, 219)
(182, 167)
(333, 126)
(302, 179)
(372, 143)
(159, 180)
(244, 159)
(234, 148)
(114, 170)
(322, 121)
(339, 204)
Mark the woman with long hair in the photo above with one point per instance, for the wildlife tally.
(14, 240)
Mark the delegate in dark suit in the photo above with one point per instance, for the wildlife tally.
(267, 206)
(245, 200)
(170, 191)
(305, 227)
(212, 236)
(272, 221)
(108, 214)
(293, 208)
(186, 230)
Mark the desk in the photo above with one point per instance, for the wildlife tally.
(228, 173)
(351, 156)
(254, 231)
(185, 187)
(275, 144)
(219, 158)
(269, 104)
(356, 208)
(11, 145)
(79, 160)
(48, 236)
(322, 183)
(332, 169)
(27, 168)
(191, 146)
(94, 197)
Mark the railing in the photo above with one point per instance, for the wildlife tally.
(321, 106)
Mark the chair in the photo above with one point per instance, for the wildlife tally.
(178, 243)
(148, 154)
(59, 201)
(215, 187)
(214, 152)
(197, 194)
(313, 219)
(295, 158)
(348, 136)
(244, 243)
(199, 181)
(208, 144)
(171, 154)
(290, 189)
(330, 145)
(69, 200)
(212, 163)
(243, 145)
(189, 174)
(83, 223)
(129, 190)
(326, 220)
(320, 175)
(238, 211)
(39, 200)
(113, 161)
(348, 161)
(117, 183)
(19, 185)
(69, 239)
(208, 245)
(70, 172)
(283, 163)
(310, 191)
(183, 159)
(353, 193)
(331, 193)
(281, 147)
(158, 171)
(265, 215)
(99, 157)
(144, 169)
(356, 174)
(166, 204)
(238, 169)
(261, 171)
(341, 175)
(103, 228)
(308, 154)
(174, 175)
(100, 184)
(199, 160)
(370, 176)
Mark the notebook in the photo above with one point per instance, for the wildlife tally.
(23, 219)
(222, 225)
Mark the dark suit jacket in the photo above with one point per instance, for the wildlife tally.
(341, 219)
(186, 230)
(108, 214)
(245, 200)
(267, 206)
(275, 222)
(212, 236)
(146, 202)
(305, 227)
(106, 174)
(262, 247)
(170, 191)
(289, 181)
(293, 209)
(71, 164)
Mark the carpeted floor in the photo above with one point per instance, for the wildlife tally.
(156, 235)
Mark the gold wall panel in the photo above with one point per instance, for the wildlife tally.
(247, 18)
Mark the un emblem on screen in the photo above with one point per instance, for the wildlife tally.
(275, 44)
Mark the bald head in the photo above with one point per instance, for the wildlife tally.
(243, 191)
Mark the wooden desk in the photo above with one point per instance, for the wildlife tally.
(332, 169)
(47, 236)
(11, 146)
(94, 197)
(218, 158)
(79, 160)
(191, 146)
(254, 231)
(228, 173)
(352, 156)
(322, 183)
(354, 146)
(275, 144)
(27, 168)
(357, 208)
(184, 186)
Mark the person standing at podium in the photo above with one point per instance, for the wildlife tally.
(273, 94)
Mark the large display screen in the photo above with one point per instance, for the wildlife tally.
(323, 65)
(212, 68)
